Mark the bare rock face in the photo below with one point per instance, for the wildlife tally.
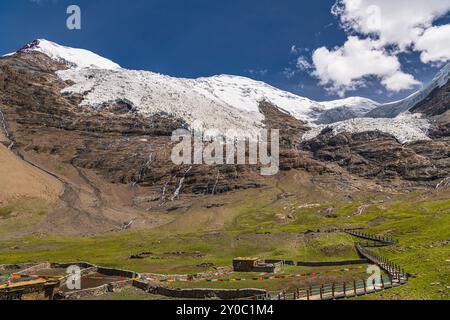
(291, 129)
(437, 107)
(437, 103)
(379, 155)
(291, 132)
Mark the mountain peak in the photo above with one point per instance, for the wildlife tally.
(73, 57)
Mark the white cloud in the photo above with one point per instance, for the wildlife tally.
(289, 73)
(303, 64)
(380, 30)
(258, 72)
(397, 22)
(294, 49)
(346, 68)
(434, 44)
(399, 81)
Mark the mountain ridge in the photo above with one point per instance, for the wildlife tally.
(301, 107)
(316, 112)
(226, 103)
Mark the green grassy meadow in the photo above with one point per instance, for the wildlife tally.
(271, 229)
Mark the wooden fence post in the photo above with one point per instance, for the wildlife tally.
(345, 289)
(333, 290)
(365, 287)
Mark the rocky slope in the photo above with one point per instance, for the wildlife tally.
(19, 179)
(392, 148)
(417, 151)
(374, 154)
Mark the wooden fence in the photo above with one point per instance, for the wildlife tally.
(332, 291)
(374, 238)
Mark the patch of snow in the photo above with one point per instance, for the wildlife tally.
(406, 127)
(344, 109)
(74, 58)
(351, 102)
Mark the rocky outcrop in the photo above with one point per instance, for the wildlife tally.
(291, 132)
(437, 103)
(379, 155)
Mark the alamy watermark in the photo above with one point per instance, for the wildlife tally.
(73, 22)
(232, 148)
(375, 276)
(73, 281)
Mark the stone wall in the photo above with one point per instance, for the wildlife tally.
(184, 277)
(206, 293)
(92, 292)
(145, 286)
(82, 265)
(35, 268)
(269, 268)
(155, 288)
(117, 272)
(18, 267)
(120, 284)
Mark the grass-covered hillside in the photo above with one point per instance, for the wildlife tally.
(279, 221)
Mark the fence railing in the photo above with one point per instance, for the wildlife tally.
(395, 271)
(370, 237)
(332, 291)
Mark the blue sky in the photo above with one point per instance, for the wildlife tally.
(261, 39)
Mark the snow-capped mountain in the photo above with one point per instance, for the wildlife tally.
(236, 92)
(225, 102)
(116, 124)
(393, 109)
(73, 57)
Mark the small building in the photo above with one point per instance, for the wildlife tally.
(257, 265)
(39, 289)
(244, 264)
